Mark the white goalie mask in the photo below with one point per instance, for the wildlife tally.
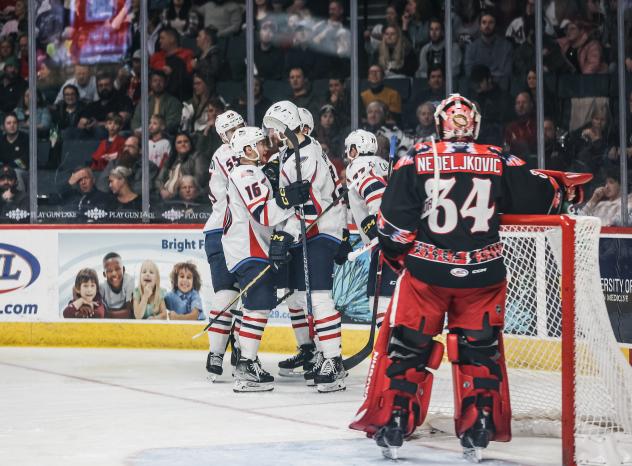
(307, 120)
(284, 112)
(227, 121)
(244, 137)
(364, 142)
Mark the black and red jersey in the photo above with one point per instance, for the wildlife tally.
(455, 242)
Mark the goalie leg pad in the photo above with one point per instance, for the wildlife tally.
(480, 380)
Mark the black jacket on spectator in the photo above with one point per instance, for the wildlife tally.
(99, 110)
(11, 94)
(268, 63)
(212, 66)
(81, 203)
(16, 153)
(179, 82)
(65, 119)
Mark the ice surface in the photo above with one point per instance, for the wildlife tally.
(72, 406)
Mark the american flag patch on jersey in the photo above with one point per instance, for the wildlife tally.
(513, 161)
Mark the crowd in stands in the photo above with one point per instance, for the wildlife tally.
(89, 116)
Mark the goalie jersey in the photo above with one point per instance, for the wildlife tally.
(366, 180)
(251, 216)
(456, 242)
(325, 186)
(222, 163)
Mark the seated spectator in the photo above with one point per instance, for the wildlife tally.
(17, 24)
(209, 63)
(330, 132)
(555, 155)
(189, 192)
(520, 28)
(467, 15)
(415, 29)
(377, 122)
(521, 134)
(22, 111)
(432, 55)
(10, 196)
(605, 202)
(378, 91)
(128, 79)
(490, 50)
(550, 99)
(590, 143)
(492, 102)
(184, 300)
(14, 144)
(425, 123)
(175, 62)
(338, 98)
(434, 94)
(583, 52)
(110, 146)
(302, 92)
(125, 199)
(159, 145)
(324, 32)
(395, 54)
(181, 16)
(84, 195)
(184, 160)
(12, 86)
(7, 51)
(84, 81)
(207, 141)
(194, 111)
(129, 157)
(262, 103)
(373, 37)
(267, 54)
(300, 55)
(224, 16)
(66, 113)
(86, 302)
(161, 103)
(117, 289)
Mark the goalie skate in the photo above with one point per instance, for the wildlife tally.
(300, 363)
(476, 439)
(251, 377)
(214, 366)
(391, 437)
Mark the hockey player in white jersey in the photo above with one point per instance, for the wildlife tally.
(366, 179)
(224, 283)
(253, 211)
(323, 242)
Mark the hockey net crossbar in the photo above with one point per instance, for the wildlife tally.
(568, 376)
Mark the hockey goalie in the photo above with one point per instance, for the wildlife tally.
(438, 226)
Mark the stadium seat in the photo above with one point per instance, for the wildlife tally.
(230, 90)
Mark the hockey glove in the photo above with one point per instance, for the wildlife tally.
(369, 226)
(294, 194)
(271, 171)
(279, 253)
(344, 249)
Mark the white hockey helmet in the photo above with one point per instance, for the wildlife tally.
(284, 112)
(227, 121)
(364, 142)
(457, 118)
(307, 120)
(244, 137)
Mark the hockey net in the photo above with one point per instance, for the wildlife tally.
(567, 375)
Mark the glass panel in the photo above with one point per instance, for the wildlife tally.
(84, 64)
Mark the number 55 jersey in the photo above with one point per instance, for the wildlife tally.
(445, 227)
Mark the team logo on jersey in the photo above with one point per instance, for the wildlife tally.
(18, 268)
(459, 272)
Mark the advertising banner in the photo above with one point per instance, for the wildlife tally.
(615, 262)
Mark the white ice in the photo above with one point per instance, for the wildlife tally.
(70, 406)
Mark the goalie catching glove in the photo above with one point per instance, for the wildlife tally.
(279, 254)
(294, 194)
(571, 184)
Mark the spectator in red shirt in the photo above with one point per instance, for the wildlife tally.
(175, 61)
(109, 147)
(520, 134)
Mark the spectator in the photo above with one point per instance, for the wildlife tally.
(129, 158)
(493, 102)
(209, 62)
(325, 31)
(161, 103)
(86, 302)
(395, 54)
(12, 86)
(329, 132)
(18, 23)
(413, 27)
(84, 81)
(176, 62)
(125, 199)
(43, 121)
(522, 26)
(555, 155)
(434, 93)
(262, 103)
(184, 299)
(183, 161)
(118, 288)
(194, 112)
(466, 21)
(10, 195)
(521, 134)
(378, 91)
(373, 38)
(159, 145)
(300, 55)
(84, 195)
(128, 79)
(110, 146)
(180, 16)
(224, 16)
(590, 143)
(149, 297)
(490, 50)
(14, 145)
(613, 152)
(189, 192)
(267, 54)
(6, 51)
(207, 141)
(432, 54)
(302, 93)
(584, 53)
(377, 122)
(425, 123)
(338, 98)
(605, 202)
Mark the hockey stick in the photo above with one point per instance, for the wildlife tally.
(353, 255)
(361, 355)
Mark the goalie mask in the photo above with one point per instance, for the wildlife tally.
(226, 122)
(244, 137)
(284, 112)
(307, 121)
(364, 142)
(457, 118)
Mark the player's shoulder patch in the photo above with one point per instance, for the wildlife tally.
(404, 161)
(511, 160)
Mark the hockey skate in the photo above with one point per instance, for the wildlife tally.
(316, 365)
(214, 366)
(251, 377)
(331, 376)
(476, 438)
(391, 437)
(300, 363)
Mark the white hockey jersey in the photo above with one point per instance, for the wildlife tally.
(251, 216)
(325, 186)
(222, 163)
(366, 179)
